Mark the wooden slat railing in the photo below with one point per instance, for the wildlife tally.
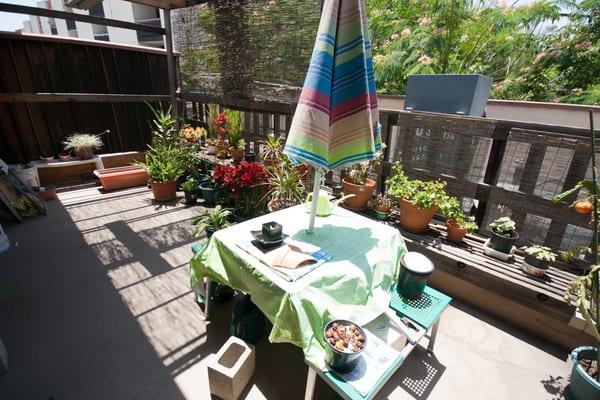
(488, 163)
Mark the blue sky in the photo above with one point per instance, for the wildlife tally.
(11, 22)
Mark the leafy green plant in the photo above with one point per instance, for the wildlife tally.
(383, 202)
(451, 209)
(212, 220)
(468, 225)
(79, 141)
(423, 194)
(272, 148)
(163, 163)
(163, 125)
(359, 172)
(504, 226)
(586, 289)
(284, 183)
(190, 185)
(541, 253)
(233, 125)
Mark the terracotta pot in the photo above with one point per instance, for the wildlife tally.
(385, 210)
(85, 153)
(415, 219)
(237, 154)
(276, 205)
(121, 177)
(454, 231)
(362, 194)
(164, 191)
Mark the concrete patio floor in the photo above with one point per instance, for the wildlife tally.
(95, 304)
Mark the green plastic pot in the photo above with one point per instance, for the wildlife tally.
(583, 386)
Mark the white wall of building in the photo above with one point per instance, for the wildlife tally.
(113, 9)
(121, 10)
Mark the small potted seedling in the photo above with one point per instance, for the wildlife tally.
(537, 259)
(457, 223)
(190, 190)
(504, 235)
(382, 206)
(211, 221)
(345, 341)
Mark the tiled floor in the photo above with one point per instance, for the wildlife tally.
(95, 304)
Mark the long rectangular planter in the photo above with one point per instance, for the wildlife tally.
(121, 177)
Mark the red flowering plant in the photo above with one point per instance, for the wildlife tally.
(242, 186)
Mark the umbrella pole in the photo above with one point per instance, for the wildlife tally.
(315, 200)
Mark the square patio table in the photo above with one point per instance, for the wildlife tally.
(354, 285)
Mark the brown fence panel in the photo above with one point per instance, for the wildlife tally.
(51, 87)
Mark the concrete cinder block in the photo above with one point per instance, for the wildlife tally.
(230, 370)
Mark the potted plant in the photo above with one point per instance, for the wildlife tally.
(242, 186)
(457, 223)
(211, 146)
(233, 125)
(537, 259)
(190, 191)
(504, 234)
(211, 221)
(83, 144)
(585, 375)
(207, 188)
(163, 165)
(285, 186)
(271, 151)
(191, 134)
(418, 200)
(357, 182)
(382, 206)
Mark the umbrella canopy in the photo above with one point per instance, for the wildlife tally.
(336, 122)
(336, 119)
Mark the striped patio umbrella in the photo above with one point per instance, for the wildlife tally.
(336, 120)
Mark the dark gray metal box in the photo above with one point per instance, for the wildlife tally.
(449, 94)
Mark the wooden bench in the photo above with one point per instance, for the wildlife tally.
(536, 304)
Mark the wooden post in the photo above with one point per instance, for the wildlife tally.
(171, 67)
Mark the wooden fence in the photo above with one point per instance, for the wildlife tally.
(496, 167)
(51, 87)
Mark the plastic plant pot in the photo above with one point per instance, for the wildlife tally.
(583, 386)
(415, 270)
(502, 243)
(340, 360)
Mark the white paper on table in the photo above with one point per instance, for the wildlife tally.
(375, 359)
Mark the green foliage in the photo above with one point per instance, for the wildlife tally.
(212, 219)
(163, 125)
(453, 36)
(423, 194)
(79, 141)
(233, 125)
(359, 172)
(451, 209)
(383, 201)
(163, 163)
(285, 183)
(541, 253)
(468, 225)
(190, 185)
(272, 149)
(504, 226)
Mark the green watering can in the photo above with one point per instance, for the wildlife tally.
(324, 205)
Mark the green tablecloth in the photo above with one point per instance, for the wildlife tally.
(354, 285)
